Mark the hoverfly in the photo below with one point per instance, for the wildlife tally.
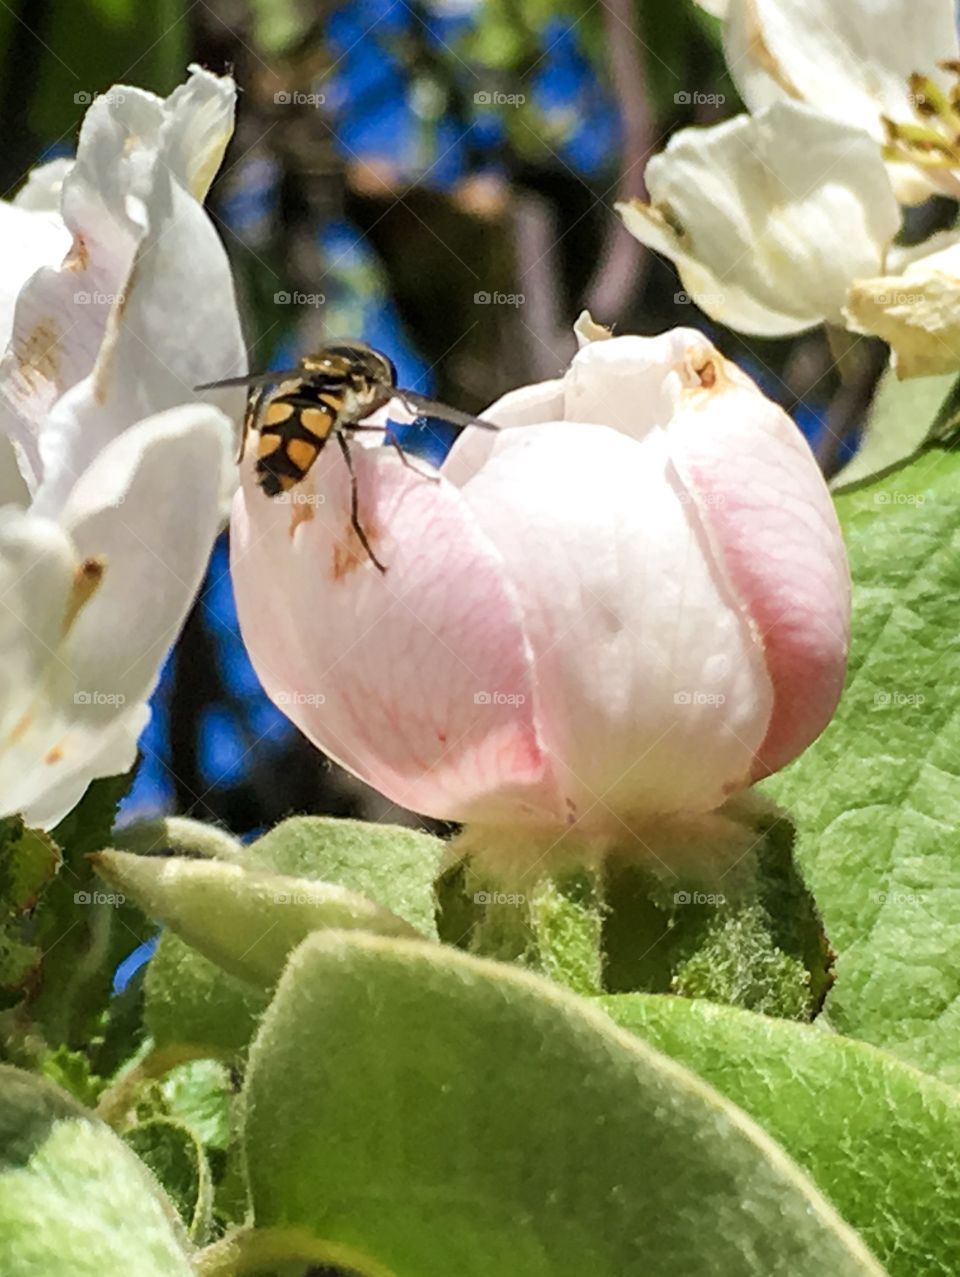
(326, 396)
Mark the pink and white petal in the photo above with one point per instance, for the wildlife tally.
(147, 508)
(157, 347)
(526, 406)
(652, 699)
(631, 383)
(770, 523)
(417, 680)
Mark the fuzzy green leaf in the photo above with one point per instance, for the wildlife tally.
(879, 1138)
(876, 800)
(394, 866)
(74, 1200)
(190, 1000)
(245, 920)
(421, 1112)
(176, 1157)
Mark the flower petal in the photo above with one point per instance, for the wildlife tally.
(417, 680)
(642, 658)
(769, 218)
(141, 243)
(851, 61)
(769, 520)
(917, 313)
(98, 605)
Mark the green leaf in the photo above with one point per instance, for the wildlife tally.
(175, 1156)
(199, 1094)
(29, 858)
(74, 1200)
(82, 935)
(245, 920)
(880, 1139)
(189, 999)
(394, 866)
(876, 800)
(901, 416)
(417, 1111)
(71, 1070)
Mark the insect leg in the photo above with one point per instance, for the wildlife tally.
(355, 503)
(395, 444)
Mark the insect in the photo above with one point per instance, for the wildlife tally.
(326, 396)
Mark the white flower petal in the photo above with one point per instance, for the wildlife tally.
(43, 189)
(149, 361)
(149, 507)
(916, 312)
(199, 126)
(850, 60)
(769, 218)
(29, 239)
(83, 646)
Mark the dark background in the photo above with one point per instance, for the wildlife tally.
(391, 162)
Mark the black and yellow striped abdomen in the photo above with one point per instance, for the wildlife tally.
(293, 428)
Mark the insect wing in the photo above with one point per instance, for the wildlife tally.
(441, 411)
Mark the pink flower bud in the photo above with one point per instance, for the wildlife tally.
(629, 603)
